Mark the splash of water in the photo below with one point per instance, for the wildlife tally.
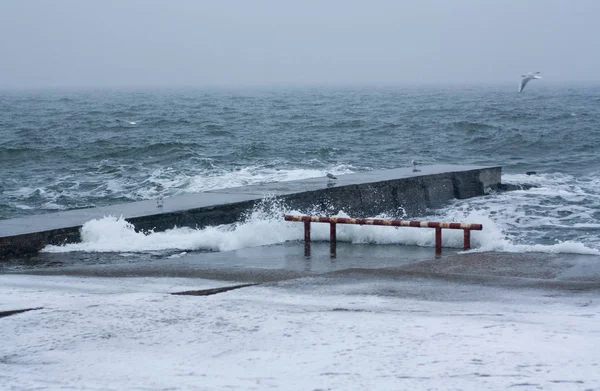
(264, 225)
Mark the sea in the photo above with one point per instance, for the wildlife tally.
(71, 149)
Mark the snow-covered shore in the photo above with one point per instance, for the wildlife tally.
(307, 334)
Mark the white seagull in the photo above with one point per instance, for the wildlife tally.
(526, 77)
(415, 164)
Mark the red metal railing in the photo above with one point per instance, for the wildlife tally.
(333, 221)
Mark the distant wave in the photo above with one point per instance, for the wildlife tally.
(389, 125)
(163, 122)
(9, 154)
(297, 116)
(213, 127)
(563, 116)
(174, 148)
(512, 114)
(472, 126)
(253, 150)
(217, 130)
(345, 124)
(27, 155)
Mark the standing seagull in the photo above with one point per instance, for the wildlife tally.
(415, 164)
(526, 77)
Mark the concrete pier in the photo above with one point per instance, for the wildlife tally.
(360, 195)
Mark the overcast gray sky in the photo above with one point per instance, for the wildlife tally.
(70, 43)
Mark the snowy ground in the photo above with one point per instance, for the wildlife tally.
(316, 333)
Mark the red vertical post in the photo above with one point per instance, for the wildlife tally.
(307, 238)
(332, 240)
(467, 239)
(438, 240)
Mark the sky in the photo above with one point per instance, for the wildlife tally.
(111, 43)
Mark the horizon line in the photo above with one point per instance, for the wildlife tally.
(150, 86)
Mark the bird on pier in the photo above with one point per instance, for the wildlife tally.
(415, 164)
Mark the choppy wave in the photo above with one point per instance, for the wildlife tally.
(73, 191)
(151, 151)
(349, 124)
(473, 126)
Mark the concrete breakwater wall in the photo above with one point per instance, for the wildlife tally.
(360, 195)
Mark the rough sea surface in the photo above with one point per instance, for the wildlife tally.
(62, 150)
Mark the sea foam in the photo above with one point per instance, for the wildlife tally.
(264, 225)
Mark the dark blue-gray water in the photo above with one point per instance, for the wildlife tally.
(72, 149)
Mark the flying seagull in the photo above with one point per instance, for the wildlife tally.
(526, 77)
(331, 176)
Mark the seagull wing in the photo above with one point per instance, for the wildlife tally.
(523, 83)
(525, 79)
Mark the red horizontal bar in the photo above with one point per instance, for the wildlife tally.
(393, 223)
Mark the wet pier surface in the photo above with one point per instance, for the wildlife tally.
(354, 261)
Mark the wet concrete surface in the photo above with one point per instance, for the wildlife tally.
(512, 271)
(354, 261)
(254, 264)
